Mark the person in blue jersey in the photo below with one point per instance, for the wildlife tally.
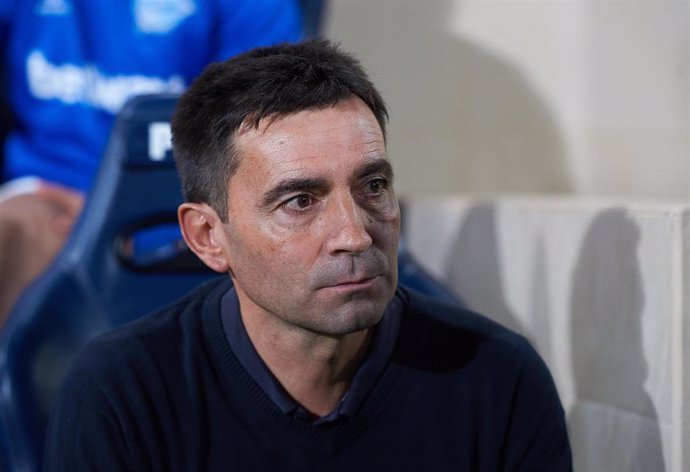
(309, 355)
(70, 66)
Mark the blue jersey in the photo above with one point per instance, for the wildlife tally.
(72, 64)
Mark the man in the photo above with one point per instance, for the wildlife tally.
(313, 357)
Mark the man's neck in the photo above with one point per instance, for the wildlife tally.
(314, 369)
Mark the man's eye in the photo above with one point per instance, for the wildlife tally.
(299, 202)
(376, 186)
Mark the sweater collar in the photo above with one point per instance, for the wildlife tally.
(363, 381)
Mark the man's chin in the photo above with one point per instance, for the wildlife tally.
(354, 315)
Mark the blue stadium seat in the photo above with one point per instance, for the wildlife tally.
(313, 13)
(101, 279)
(124, 259)
(413, 275)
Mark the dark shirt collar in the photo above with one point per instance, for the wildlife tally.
(364, 379)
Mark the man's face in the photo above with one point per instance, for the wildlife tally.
(313, 220)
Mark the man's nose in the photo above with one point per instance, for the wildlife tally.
(347, 225)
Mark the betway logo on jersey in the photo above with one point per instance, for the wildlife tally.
(74, 84)
(53, 8)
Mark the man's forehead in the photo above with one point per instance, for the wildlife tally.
(268, 124)
(345, 131)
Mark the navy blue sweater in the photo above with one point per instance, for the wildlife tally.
(166, 393)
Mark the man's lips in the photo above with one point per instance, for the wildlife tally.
(357, 281)
(353, 283)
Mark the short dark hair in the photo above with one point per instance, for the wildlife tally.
(264, 82)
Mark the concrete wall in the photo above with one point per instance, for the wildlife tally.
(602, 289)
(584, 96)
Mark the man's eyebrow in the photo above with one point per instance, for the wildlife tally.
(292, 185)
(379, 166)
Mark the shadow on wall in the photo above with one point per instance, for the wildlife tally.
(474, 269)
(613, 424)
(540, 331)
(476, 273)
(462, 118)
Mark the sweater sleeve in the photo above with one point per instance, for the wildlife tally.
(81, 438)
(92, 423)
(537, 438)
(247, 24)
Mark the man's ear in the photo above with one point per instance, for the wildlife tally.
(202, 231)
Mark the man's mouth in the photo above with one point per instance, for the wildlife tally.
(355, 283)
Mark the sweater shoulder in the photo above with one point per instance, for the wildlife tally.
(451, 336)
(188, 309)
(147, 345)
(435, 315)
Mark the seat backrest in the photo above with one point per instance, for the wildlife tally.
(313, 13)
(5, 110)
(414, 275)
(102, 278)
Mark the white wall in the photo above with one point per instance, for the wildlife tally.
(582, 96)
(602, 289)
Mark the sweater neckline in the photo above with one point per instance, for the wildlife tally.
(231, 373)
